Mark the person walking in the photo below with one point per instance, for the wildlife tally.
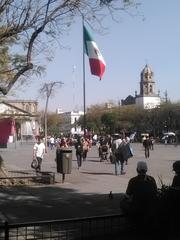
(85, 144)
(119, 151)
(146, 144)
(38, 152)
(151, 143)
(63, 143)
(79, 151)
(129, 152)
(52, 142)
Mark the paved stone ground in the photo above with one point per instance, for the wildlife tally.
(84, 192)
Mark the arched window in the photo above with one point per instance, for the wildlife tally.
(146, 89)
(150, 89)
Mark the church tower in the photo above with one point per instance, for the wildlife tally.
(148, 98)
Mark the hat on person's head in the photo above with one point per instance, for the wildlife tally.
(116, 135)
(142, 167)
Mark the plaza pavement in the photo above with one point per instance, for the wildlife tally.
(84, 192)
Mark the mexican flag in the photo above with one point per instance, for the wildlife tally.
(96, 60)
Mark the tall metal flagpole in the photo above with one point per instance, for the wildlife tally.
(84, 82)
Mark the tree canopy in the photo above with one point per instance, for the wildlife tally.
(132, 118)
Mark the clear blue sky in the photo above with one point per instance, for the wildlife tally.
(126, 48)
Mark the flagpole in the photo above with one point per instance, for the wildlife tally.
(84, 82)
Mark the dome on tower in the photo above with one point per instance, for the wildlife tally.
(146, 74)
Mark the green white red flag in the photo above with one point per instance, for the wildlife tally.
(96, 60)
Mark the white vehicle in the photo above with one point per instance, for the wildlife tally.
(169, 137)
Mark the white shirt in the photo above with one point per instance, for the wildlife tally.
(39, 150)
(52, 140)
(117, 142)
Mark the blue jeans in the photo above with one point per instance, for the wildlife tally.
(39, 160)
(119, 167)
(79, 160)
(146, 152)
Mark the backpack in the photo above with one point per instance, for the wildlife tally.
(79, 148)
(121, 152)
(119, 149)
(115, 150)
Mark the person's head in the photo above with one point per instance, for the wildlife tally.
(38, 139)
(176, 167)
(141, 167)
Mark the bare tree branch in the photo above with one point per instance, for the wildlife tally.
(23, 22)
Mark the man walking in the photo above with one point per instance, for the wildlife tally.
(79, 151)
(118, 150)
(38, 152)
(146, 144)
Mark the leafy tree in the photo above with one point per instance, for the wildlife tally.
(54, 122)
(94, 115)
(132, 118)
(109, 120)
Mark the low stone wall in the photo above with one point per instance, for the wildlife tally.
(40, 178)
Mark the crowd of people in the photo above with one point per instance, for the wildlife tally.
(115, 149)
(119, 150)
(81, 145)
(142, 196)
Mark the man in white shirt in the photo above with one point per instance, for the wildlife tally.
(52, 142)
(38, 152)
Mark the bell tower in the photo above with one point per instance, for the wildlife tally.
(147, 84)
(148, 97)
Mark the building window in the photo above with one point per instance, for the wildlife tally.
(146, 89)
(150, 88)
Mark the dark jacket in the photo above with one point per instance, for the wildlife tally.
(79, 147)
(146, 143)
(122, 152)
(176, 181)
(143, 191)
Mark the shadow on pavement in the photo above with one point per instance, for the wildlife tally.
(97, 173)
(21, 204)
